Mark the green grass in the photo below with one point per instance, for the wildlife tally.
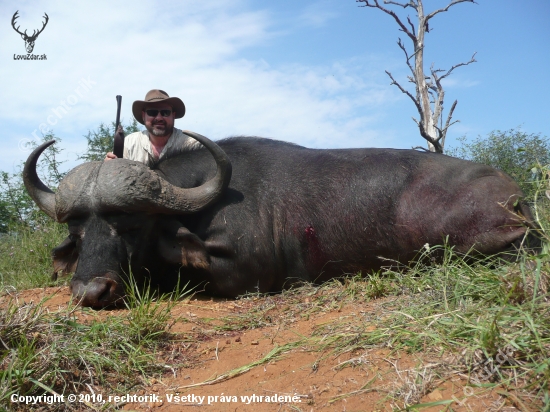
(496, 320)
(149, 316)
(473, 311)
(56, 353)
(490, 318)
(25, 255)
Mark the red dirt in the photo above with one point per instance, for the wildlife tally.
(299, 380)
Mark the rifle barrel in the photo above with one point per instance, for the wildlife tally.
(118, 143)
(119, 104)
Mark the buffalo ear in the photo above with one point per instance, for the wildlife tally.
(65, 258)
(185, 248)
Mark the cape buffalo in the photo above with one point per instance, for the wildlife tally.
(290, 213)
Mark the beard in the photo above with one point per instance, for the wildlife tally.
(163, 131)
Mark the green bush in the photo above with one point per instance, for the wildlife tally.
(100, 141)
(17, 209)
(515, 152)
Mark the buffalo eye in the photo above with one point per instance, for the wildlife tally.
(124, 224)
(125, 229)
(76, 229)
(76, 233)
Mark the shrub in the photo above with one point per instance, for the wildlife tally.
(515, 152)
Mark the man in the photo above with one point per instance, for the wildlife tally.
(157, 113)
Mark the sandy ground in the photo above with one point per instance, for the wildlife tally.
(376, 379)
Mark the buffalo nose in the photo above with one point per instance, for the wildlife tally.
(100, 292)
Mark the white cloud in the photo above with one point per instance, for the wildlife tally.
(192, 49)
(316, 14)
(459, 83)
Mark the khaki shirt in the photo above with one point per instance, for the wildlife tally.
(138, 147)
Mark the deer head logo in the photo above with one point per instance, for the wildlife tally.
(29, 40)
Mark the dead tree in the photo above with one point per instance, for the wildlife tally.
(429, 91)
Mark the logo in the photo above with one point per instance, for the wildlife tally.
(29, 40)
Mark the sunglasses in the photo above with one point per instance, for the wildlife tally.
(155, 112)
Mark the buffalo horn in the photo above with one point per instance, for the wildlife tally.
(194, 199)
(132, 186)
(39, 192)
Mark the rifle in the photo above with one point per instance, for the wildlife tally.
(118, 146)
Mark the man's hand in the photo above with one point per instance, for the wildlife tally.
(110, 156)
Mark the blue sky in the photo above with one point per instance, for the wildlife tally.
(309, 72)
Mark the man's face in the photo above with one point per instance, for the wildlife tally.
(157, 124)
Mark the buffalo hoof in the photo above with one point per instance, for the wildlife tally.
(100, 292)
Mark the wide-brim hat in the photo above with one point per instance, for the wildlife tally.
(157, 96)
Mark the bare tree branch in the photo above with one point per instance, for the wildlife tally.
(402, 47)
(429, 91)
(420, 147)
(438, 102)
(393, 81)
(472, 60)
(448, 123)
(451, 4)
(409, 4)
(412, 26)
(376, 5)
(434, 142)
